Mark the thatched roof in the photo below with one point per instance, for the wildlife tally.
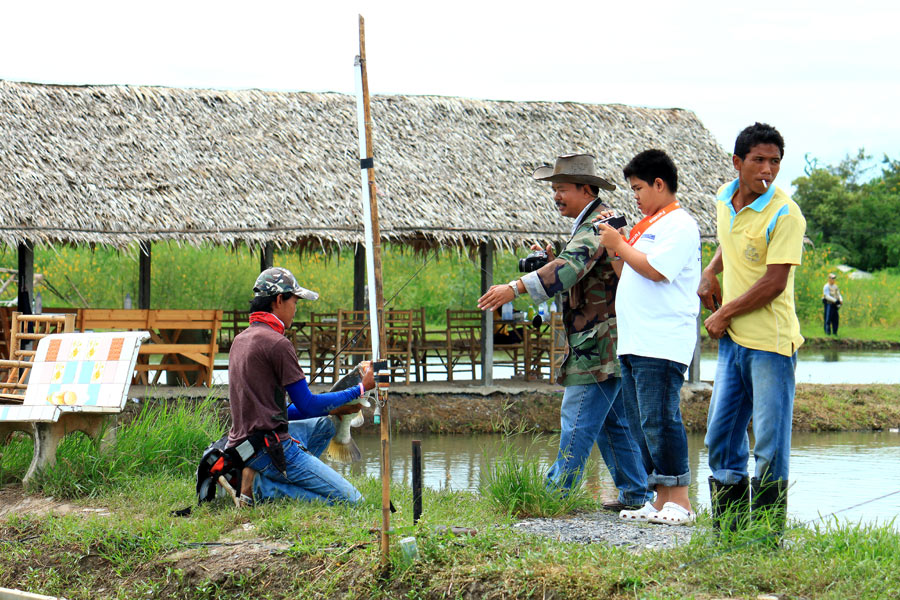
(115, 164)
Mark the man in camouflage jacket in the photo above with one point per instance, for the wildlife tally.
(592, 409)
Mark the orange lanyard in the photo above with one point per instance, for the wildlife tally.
(639, 229)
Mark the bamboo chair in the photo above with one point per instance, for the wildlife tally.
(545, 347)
(25, 331)
(515, 350)
(398, 331)
(5, 319)
(463, 339)
(428, 342)
(352, 334)
(322, 340)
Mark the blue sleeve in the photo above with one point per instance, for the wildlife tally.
(306, 405)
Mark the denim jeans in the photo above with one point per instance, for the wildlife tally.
(651, 388)
(595, 413)
(308, 478)
(750, 383)
(832, 318)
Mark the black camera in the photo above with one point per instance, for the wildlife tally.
(533, 261)
(615, 222)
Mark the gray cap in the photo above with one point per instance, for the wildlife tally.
(277, 280)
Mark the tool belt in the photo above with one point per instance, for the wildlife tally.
(219, 461)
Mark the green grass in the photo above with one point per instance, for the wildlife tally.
(286, 549)
(517, 484)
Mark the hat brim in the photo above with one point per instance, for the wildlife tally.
(546, 174)
(304, 293)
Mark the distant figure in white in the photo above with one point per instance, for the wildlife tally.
(832, 299)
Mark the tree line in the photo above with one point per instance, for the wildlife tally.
(858, 218)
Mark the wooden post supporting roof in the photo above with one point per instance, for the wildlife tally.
(25, 304)
(266, 256)
(694, 367)
(359, 277)
(144, 275)
(487, 317)
(359, 285)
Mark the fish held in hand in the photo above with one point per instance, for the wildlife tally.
(342, 447)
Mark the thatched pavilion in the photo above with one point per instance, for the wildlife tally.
(119, 165)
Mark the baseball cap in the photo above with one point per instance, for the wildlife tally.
(276, 281)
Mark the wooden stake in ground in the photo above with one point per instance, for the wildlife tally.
(373, 271)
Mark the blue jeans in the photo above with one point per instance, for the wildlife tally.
(308, 478)
(651, 388)
(832, 318)
(750, 383)
(595, 413)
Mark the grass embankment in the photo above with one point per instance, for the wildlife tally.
(216, 277)
(114, 537)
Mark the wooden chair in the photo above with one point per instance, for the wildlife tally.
(352, 338)
(25, 332)
(322, 328)
(426, 343)
(5, 327)
(545, 347)
(463, 339)
(398, 331)
(509, 338)
(233, 322)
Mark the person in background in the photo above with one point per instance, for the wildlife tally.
(832, 299)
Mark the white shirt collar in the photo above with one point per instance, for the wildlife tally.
(581, 215)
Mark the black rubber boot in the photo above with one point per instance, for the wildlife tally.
(730, 504)
(769, 506)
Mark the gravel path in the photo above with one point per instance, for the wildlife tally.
(605, 527)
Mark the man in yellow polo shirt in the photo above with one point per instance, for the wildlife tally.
(760, 231)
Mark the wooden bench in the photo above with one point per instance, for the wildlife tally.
(77, 381)
(185, 340)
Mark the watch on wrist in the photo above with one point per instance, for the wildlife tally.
(514, 284)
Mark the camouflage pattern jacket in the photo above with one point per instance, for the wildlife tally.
(583, 276)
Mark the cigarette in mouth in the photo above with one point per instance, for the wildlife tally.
(765, 184)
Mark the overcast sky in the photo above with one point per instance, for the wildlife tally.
(825, 73)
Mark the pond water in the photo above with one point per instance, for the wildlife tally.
(831, 366)
(813, 366)
(830, 472)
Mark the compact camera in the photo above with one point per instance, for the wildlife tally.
(533, 261)
(615, 222)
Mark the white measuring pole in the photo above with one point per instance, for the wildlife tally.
(367, 212)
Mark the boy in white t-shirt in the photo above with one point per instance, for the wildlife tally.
(656, 310)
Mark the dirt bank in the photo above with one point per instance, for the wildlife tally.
(826, 343)
(816, 408)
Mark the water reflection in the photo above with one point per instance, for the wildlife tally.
(829, 471)
(831, 355)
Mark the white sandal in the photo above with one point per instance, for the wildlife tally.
(642, 514)
(673, 514)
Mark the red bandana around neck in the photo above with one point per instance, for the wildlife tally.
(269, 319)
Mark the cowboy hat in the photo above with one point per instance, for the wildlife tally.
(573, 168)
